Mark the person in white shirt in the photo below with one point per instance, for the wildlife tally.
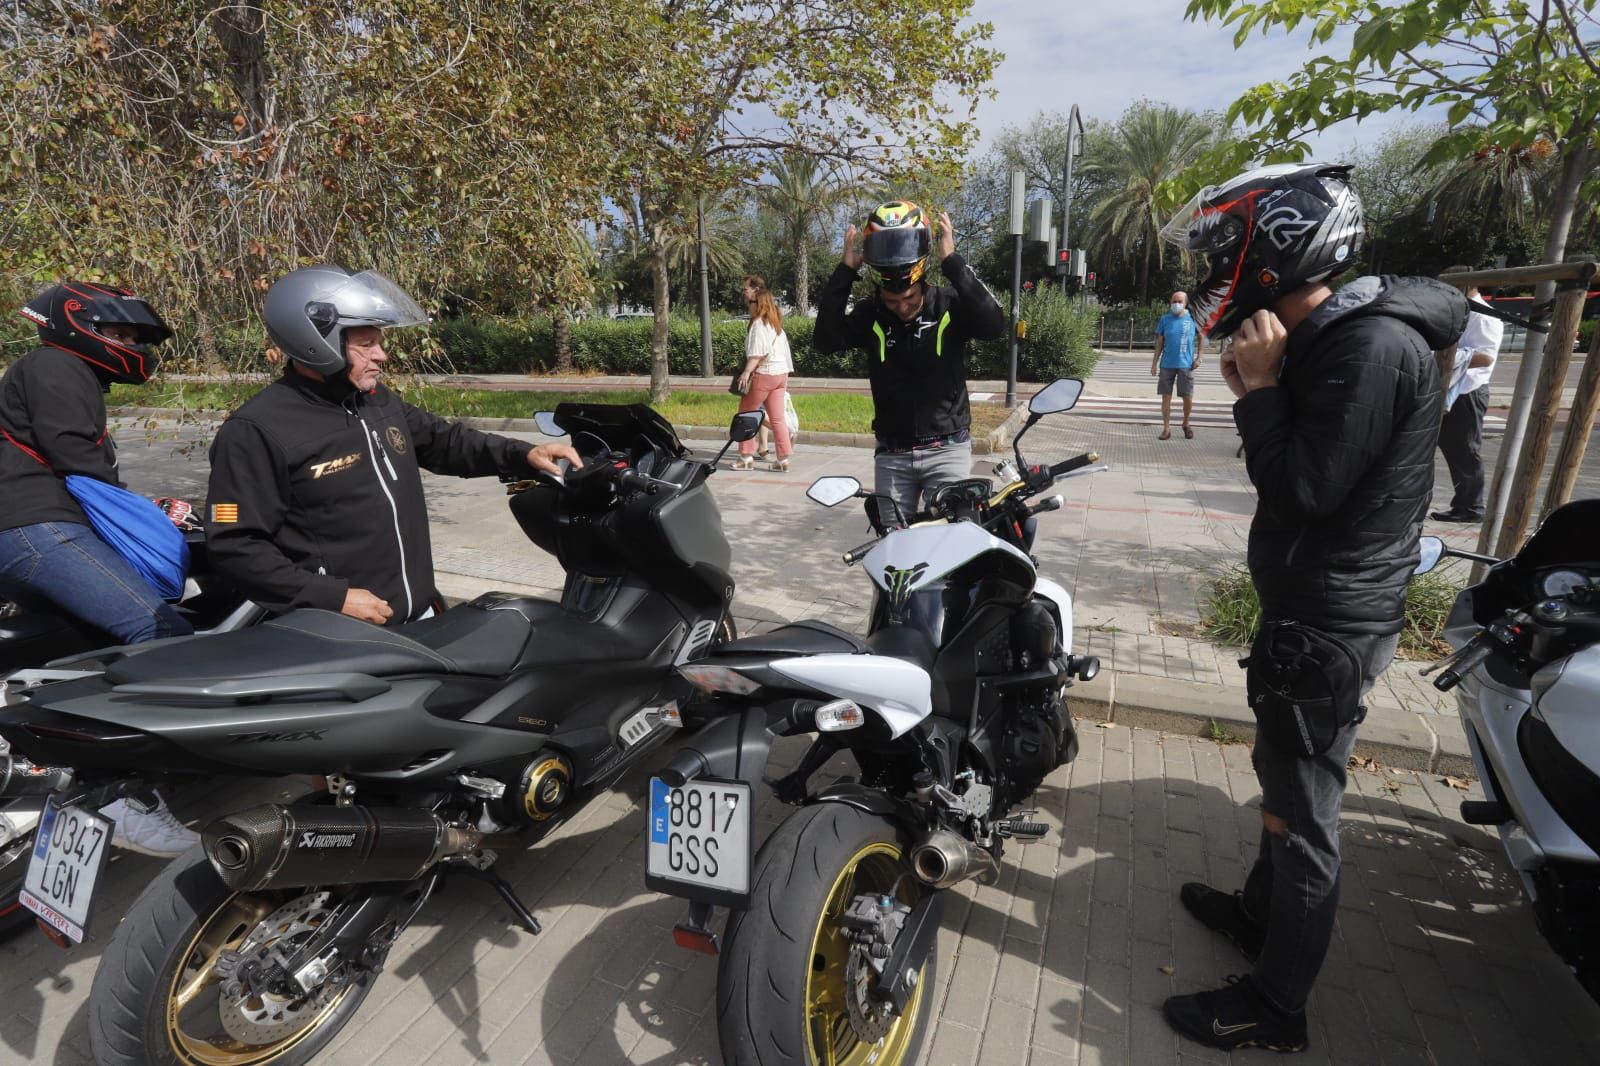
(765, 378)
(1466, 400)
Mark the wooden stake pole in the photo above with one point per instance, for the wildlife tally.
(1541, 417)
(1580, 423)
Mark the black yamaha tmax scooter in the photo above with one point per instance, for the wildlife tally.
(441, 741)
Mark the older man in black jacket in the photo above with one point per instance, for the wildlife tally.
(1339, 406)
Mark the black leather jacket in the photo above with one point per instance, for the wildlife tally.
(316, 488)
(1341, 454)
(918, 369)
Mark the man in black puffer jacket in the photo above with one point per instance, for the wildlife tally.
(1339, 408)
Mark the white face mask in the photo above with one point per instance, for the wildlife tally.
(1178, 308)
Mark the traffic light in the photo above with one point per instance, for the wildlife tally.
(1091, 279)
(1064, 256)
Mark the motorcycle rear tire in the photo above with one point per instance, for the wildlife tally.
(764, 974)
(128, 1001)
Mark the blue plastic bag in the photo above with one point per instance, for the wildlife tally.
(138, 530)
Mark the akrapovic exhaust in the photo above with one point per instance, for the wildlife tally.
(288, 847)
(944, 859)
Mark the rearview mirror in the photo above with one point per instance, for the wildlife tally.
(546, 421)
(746, 424)
(1060, 395)
(1432, 552)
(832, 491)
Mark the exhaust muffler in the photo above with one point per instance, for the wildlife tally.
(944, 859)
(272, 846)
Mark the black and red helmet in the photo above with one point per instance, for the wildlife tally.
(1266, 233)
(71, 315)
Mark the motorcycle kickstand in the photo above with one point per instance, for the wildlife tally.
(492, 876)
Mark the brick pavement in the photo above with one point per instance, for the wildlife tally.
(1066, 960)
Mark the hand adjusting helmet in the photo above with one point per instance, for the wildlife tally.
(1266, 233)
(71, 315)
(308, 311)
(895, 245)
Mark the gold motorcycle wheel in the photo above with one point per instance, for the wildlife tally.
(793, 989)
(209, 1028)
(831, 1033)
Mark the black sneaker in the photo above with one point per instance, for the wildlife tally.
(1462, 517)
(1222, 912)
(1236, 1017)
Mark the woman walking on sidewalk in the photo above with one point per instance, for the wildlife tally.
(767, 365)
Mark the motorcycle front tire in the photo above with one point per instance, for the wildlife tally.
(779, 950)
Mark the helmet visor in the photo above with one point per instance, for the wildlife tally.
(899, 247)
(370, 299)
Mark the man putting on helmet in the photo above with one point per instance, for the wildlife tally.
(316, 486)
(1338, 406)
(915, 336)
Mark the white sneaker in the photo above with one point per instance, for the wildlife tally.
(153, 832)
(17, 820)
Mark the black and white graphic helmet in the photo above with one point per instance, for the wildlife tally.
(308, 310)
(1266, 233)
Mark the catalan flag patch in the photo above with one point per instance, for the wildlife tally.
(224, 512)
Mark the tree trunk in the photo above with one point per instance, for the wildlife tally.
(561, 325)
(802, 277)
(660, 383)
(242, 31)
(1144, 273)
(1573, 170)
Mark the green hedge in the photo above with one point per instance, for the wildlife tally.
(1060, 342)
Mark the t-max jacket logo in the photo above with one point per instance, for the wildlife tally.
(334, 466)
(899, 583)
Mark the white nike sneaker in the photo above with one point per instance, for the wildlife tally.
(150, 832)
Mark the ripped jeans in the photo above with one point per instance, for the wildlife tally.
(1293, 889)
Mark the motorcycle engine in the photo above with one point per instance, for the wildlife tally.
(1033, 741)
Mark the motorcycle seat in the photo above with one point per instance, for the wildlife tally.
(805, 637)
(464, 640)
(31, 625)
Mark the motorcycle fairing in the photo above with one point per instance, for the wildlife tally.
(898, 691)
(912, 558)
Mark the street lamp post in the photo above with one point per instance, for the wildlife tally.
(1019, 193)
(705, 290)
(1074, 148)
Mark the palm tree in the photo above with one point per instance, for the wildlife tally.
(1496, 186)
(799, 195)
(723, 254)
(1149, 145)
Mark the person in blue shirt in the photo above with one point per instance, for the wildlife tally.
(1177, 356)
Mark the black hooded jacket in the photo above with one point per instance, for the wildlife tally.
(1341, 454)
(918, 369)
(317, 488)
(53, 406)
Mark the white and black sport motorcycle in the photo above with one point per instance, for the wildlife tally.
(953, 705)
(1526, 673)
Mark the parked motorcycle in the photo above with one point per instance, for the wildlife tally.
(442, 742)
(953, 706)
(37, 646)
(1526, 672)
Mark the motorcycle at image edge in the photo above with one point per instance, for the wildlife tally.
(442, 740)
(37, 646)
(953, 706)
(1526, 673)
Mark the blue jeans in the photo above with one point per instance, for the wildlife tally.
(66, 566)
(1293, 889)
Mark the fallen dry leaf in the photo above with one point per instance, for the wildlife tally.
(1168, 970)
(1455, 783)
(1392, 786)
(1358, 762)
(1106, 725)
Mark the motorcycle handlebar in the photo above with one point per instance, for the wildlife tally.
(1471, 657)
(630, 479)
(855, 555)
(1067, 466)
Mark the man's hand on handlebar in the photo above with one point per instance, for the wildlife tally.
(543, 457)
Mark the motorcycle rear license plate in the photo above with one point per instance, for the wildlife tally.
(699, 840)
(69, 855)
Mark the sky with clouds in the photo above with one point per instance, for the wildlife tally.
(1105, 54)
